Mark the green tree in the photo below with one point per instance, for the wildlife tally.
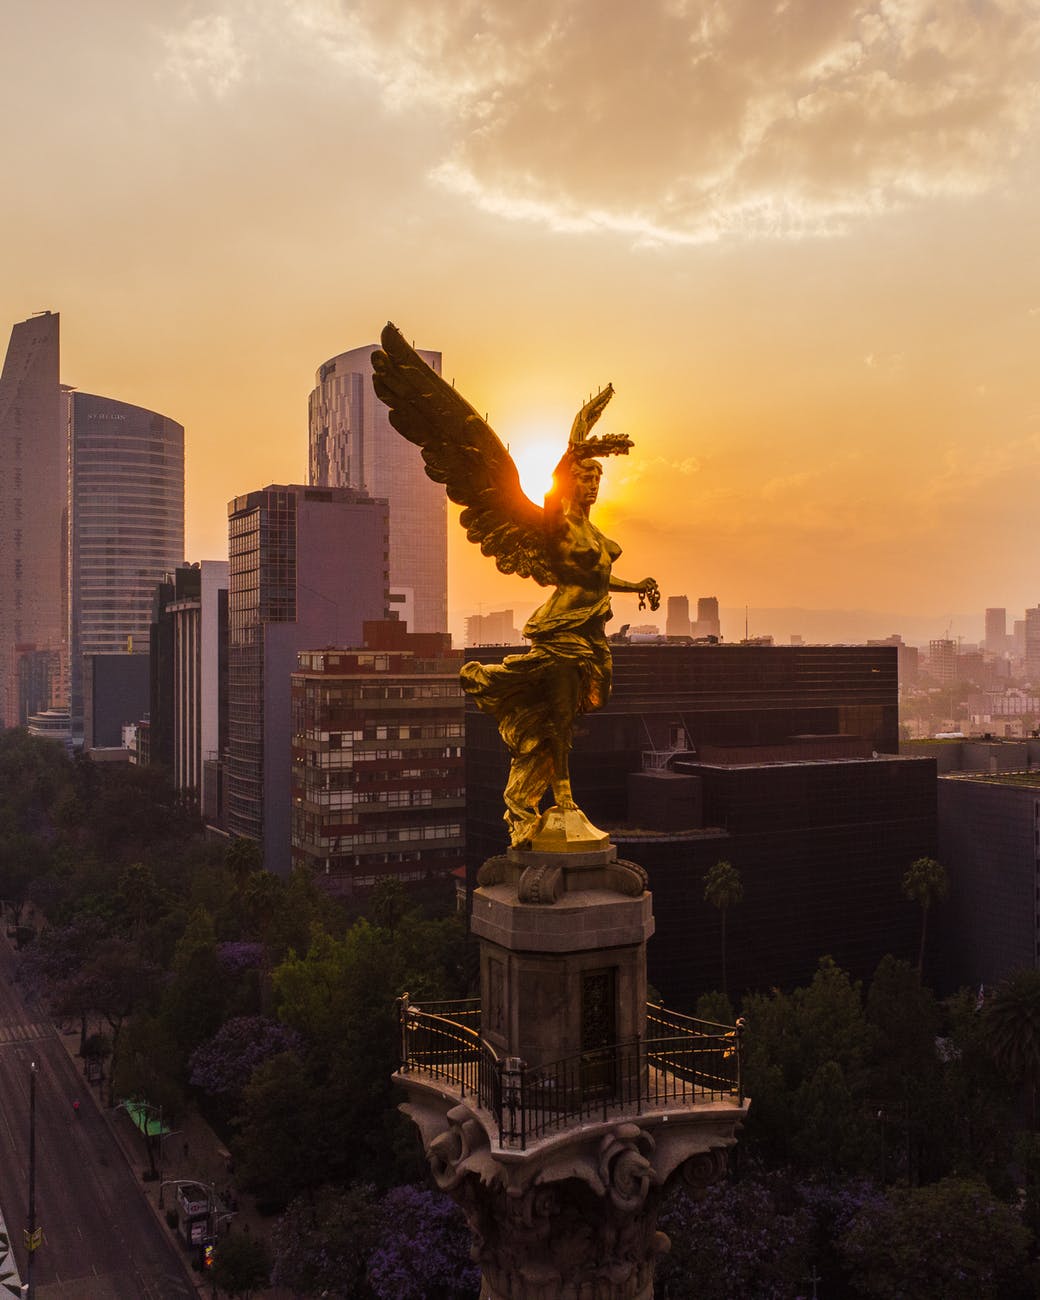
(243, 858)
(925, 883)
(140, 896)
(194, 1002)
(241, 1265)
(951, 1241)
(279, 1147)
(904, 1070)
(1011, 1020)
(793, 1044)
(323, 1241)
(723, 889)
(388, 902)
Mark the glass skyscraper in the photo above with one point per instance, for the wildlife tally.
(306, 568)
(353, 444)
(126, 507)
(32, 507)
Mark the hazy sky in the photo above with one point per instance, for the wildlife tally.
(799, 237)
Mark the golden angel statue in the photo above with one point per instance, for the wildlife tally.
(535, 697)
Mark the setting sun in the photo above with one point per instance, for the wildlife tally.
(536, 458)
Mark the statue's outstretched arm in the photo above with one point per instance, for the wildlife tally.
(647, 589)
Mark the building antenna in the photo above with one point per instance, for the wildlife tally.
(745, 622)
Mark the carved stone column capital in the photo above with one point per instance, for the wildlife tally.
(575, 1215)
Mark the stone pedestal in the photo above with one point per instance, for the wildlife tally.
(562, 952)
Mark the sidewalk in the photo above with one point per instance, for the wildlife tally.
(192, 1152)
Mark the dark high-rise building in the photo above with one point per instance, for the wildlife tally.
(33, 474)
(377, 779)
(354, 445)
(126, 512)
(989, 843)
(307, 567)
(1032, 638)
(677, 622)
(707, 623)
(996, 642)
(188, 715)
(784, 761)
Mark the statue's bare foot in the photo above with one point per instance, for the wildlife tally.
(564, 798)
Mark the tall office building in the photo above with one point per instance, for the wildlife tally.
(707, 623)
(1032, 667)
(33, 474)
(996, 631)
(678, 620)
(492, 629)
(306, 567)
(354, 445)
(126, 512)
(377, 760)
(942, 660)
(188, 703)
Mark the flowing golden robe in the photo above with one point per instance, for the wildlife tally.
(535, 698)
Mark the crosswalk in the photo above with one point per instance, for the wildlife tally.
(25, 1032)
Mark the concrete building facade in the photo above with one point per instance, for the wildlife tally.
(378, 781)
(354, 445)
(1032, 646)
(497, 628)
(989, 843)
(199, 662)
(307, 567)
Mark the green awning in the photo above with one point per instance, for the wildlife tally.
(148, 1124)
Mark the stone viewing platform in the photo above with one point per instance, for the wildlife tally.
(679, 1065)
(558, 1107)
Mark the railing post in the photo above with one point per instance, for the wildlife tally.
(511, 1072)
(740, 1027)
(402, 1011)
(639, 1074)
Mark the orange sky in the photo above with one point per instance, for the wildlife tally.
(799, 238)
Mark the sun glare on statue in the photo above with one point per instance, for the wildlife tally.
(535, 461)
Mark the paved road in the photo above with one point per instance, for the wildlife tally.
(101, 1238)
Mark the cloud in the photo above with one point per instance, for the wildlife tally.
(692, 120)
(205, 55)
(967, 475)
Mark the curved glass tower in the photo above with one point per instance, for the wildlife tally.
(126, 512)
(353, 444)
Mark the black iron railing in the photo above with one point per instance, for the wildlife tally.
(678, 1062)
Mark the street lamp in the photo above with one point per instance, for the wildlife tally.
(33, 1235)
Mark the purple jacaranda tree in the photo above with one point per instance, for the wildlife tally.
(323, 1240)
(241, 955)
(423, 1250)
(223, 1065)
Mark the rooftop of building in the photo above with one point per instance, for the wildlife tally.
(693, 764)
(1029, 777)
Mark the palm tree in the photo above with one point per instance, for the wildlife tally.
(1012, 1028)
(723, 889)
(926, 882)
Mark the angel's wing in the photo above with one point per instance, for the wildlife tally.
(464, 453)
